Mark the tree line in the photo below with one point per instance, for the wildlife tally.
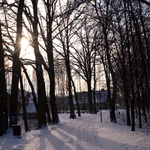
(85, 38)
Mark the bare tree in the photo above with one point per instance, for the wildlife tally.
(104, 17)
(50, 6)
(16, 66)
(85, 59)
(42, 103)
(3, 100)
(64, 36)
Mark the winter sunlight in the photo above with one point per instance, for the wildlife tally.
(26, 50)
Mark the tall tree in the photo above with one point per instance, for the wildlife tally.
(3, 100)
(104, 16)
(85, 59)
(16, 66)
(42, 102)
(50, 6)
(64, 39)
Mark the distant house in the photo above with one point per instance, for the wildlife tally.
(8, 96)
(30, 108)
(100, 99)
(62, 103)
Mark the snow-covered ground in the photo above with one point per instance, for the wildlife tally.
(84, 133)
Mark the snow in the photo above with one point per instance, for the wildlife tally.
(84, 133)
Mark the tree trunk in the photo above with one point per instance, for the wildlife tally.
(126, 96)
(3, 99)
(76, 98)
(23, 105)
(90, 96)
(55, 118)
(68, 70)
(143, 104)
(72, 113)
(49, 46)
(132, 100)
(113, 99)
(16, 67)
(42, 102)
(94, 78)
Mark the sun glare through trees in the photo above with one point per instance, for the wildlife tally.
(26, 49)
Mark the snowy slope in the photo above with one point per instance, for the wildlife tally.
(85, 133)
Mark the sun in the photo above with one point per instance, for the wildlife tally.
(24, 43)
(26, 49)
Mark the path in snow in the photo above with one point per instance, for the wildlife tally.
(85, 133)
